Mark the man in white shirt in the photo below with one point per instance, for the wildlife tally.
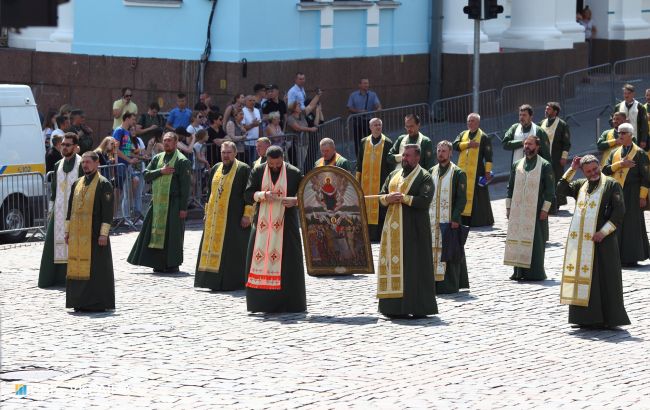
(297, 92)
(251, 122)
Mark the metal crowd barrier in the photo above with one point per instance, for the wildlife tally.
(125, 197)
(24, 205)
(536, 93)
(450, 115)
(589, 89)
(635, 71)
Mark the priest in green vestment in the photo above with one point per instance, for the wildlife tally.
(449, 197)
(331, 157)
(628, 165)
(475, 159)
(160, 242)
(372, 170)
(412, 136)
(636, 115)
(531, 189)
(90, 283)
(592, 283)
(261, 145)
(608, 140)
(276, 274)
(559, 137)
(221, 263)
(514, 138)
(55, 251)
(405, 282)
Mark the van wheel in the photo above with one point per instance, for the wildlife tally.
(13, 217)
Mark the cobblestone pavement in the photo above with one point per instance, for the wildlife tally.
(502, 344)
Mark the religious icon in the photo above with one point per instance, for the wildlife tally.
(334, 223)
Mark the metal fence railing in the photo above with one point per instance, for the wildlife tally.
(589, 89)
(450, 115)
(535, 93)
(635, 71)
(23, 205)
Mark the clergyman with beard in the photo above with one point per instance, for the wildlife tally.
(592, 283)
(405, 282)
(531, 190)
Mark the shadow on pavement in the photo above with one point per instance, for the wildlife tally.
(459, 297)
(609, 336)
(423, 322)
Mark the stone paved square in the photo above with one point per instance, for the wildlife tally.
(169, 345)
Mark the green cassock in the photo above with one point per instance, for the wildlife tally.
(98, 292)
(455, 273)
(510, 144)
(53, 274)
(292, 297)
(231, 275)
(419, 298)
(171, 256)
(427, 157)
(561, 143)
(481, 205)
(546, 193)
(374, 231)
(632, 236)
(606, 295)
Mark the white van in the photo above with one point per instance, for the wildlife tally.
(23, 204)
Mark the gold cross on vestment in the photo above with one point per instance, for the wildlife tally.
(587, 236)
(592, 204)
(573, 235)
(570, 268)
(585, 268)
(581, 204)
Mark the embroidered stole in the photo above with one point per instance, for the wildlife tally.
(402, 145)
(550, 130)
(621, 174)
(440, 212)
(610, 137)
(80, 242)
(266, 266)
(580, 248)
(468, 162)
(371, 177)
(390, 280)
(160, 201)
(520, 135)
(216, 218)
(321, 161)
(64, 183)
(632, 114)
(523, 216)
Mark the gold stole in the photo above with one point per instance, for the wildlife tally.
(266, 266)
(63, 187)
(402, 145)
(321, 161)
(550, 131)
(81, 229)
(390, 281)
(371, 177)
(580, 247)
(610, 137)
(440, 212)
(621, 174)
(216, 217)
(468, 162)
(523, 216)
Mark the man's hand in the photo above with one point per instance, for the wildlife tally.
(598, 237)
(166, 170)
(245, 222)
(455, 225)
(394, 197)
(488, 176)
(103, 240)
(543, 216)
(182, 214)
(133, 161)
(643, 202)
(289, 202)
(474, 144)
(67, 235)
(563, 162)
(628, 163)
(575, 164)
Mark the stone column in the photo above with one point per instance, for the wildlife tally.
(494, 28)
(565, 21)
(29, 36)
(61, 40)
(458, 31)
(627, 23)
(532, 26)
